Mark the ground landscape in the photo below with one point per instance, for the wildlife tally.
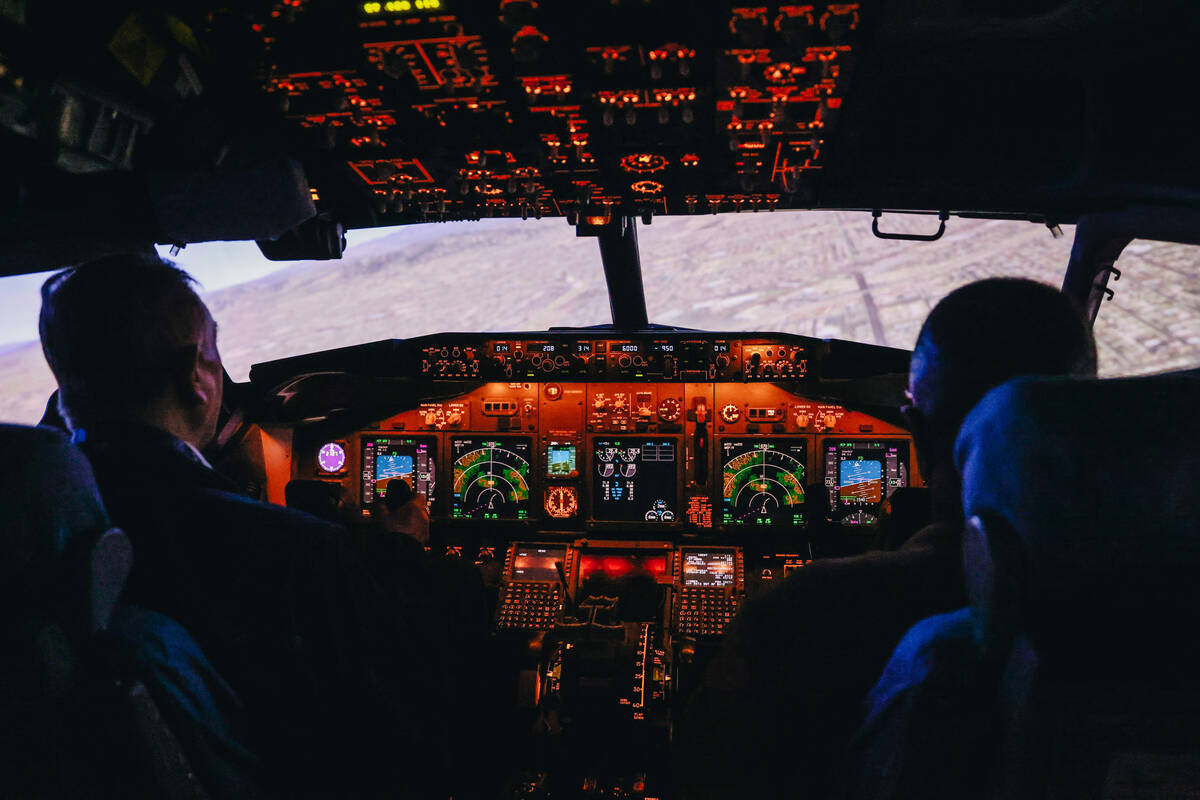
(817, 274)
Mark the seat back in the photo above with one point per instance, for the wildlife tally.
(1082, 559)
(62, 570)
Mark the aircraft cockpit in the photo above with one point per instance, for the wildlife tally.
(620, 488)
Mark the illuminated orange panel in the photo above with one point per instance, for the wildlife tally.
(413, 169)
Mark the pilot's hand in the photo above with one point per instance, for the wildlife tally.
(410, 519)
(416, 523)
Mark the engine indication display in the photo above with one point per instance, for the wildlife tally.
(861, 474)
(491, 478)
(635, 479)
(763, 481)
(388, 457)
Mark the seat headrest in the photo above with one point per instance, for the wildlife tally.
(59, 556)
(1101, 474)
(1084, 519)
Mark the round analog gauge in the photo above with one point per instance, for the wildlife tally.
(763, 486)
(562, 502)
(660, 512)
(731, 413)
(642, 163)
(668, 409)
(491, 482)
(646, 187)
(331, 457)
(858, 517)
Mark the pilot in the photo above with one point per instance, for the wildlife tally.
(780, 701)
(449, 596)
(339, 702)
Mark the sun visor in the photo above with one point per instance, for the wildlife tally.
(224, 204)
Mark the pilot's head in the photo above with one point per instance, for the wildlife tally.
(129, 340)
(975, 339)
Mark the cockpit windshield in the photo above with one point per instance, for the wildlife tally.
(818, 274)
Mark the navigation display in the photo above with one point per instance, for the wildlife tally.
(562, 460)
(707, 568)
(861, 474)
(535, 562)
(612, 566)
(763, 481)
(635, 479)
(386, 457)
(491, 477)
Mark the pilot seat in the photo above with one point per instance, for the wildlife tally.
(1081, 558)
(99, 699)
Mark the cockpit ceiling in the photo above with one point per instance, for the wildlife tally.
(185, 121)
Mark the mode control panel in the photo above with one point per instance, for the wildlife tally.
(673, 356)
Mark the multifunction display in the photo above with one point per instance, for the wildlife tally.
(612, 566)
(763, 481)
(535, 562)
(491, 477)
(386, 458)
(708, 567)
(635, 479)
(861, 474)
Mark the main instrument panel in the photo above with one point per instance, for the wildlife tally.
(666, 436)
(624, 495)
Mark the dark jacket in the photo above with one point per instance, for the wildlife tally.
(780, 701)
(339, 688)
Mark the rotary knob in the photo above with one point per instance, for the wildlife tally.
(830, 420)
(731, 413)
(668, 409)
(803, 421)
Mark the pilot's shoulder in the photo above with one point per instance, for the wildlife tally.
(255, 516)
